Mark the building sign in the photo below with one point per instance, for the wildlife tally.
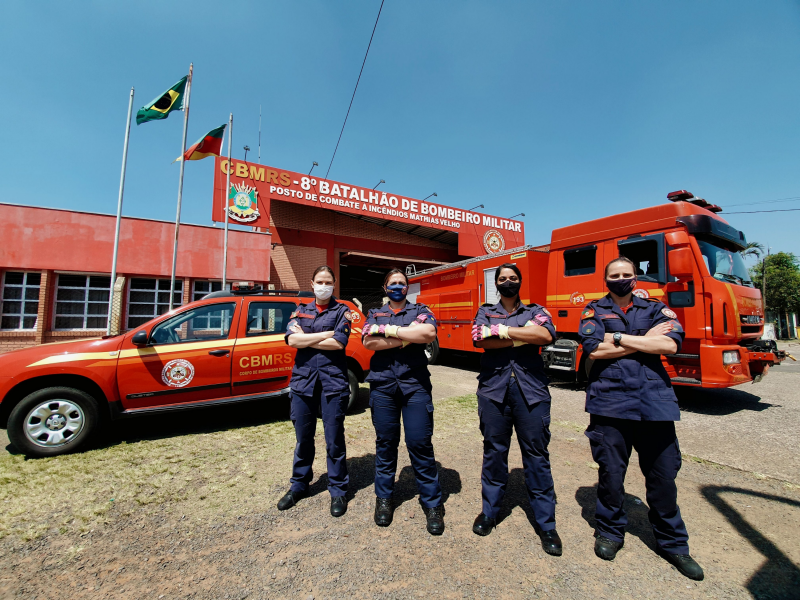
(254, 186)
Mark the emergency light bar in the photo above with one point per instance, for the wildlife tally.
(686, 196)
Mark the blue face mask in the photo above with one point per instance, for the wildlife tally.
(397, 291)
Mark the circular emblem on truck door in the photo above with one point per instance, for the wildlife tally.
(577, 298)
(177, 373)
(493, 241)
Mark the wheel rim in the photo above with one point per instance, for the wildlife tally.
(54, 423)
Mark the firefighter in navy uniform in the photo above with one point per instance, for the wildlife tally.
(400, 385)
(632, 405)
(513, 394)
(320, 331)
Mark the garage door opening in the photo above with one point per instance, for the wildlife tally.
(361, 275)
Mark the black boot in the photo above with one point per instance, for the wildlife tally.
(338, 506)
(384, 512)
(605, 548)
(483, 525)
(685, 564)
(290, 499)
(435, 517)
(551, 543)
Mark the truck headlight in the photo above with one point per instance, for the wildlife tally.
(731, 357)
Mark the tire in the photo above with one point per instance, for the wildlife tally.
(53, 421)
(353, 380)
(432, 351)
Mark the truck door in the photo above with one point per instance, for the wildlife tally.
(187, 359)
(262, 362)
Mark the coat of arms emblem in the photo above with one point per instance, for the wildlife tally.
(243, 203)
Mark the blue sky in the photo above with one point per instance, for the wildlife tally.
(567, 111)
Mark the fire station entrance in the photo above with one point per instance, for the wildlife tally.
(361, 275)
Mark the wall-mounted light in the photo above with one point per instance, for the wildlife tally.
(316, 164)
(433, 194)
(479, 206)
(246, 149)
(380, 182)
(518, 215)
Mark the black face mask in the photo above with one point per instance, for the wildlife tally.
(621, 287)
(509, 289)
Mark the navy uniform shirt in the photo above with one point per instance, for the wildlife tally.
(327, 366)
(524, 361)
(635, 386)
(406, 367)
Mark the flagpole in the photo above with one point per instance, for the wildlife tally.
(119, 212)
(180, 187)
(227, 193)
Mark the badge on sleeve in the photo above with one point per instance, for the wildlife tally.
(668, 313)
(587, 328)
(676, 325)
(587, 313)
(349, 316)
(547, 312)
(293, 315)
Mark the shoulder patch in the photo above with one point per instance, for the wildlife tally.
(588, 328)
(668, 313)
(547, 312)
(293, 315)
(587, 313)
(349, 316)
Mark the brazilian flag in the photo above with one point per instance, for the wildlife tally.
(164, 104)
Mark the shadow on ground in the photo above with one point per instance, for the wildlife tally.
(719, 402)
(362, 476)
(778, 577)
(636, 510)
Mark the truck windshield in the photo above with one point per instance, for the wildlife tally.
(723, 264)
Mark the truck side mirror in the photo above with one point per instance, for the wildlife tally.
(140, 337)
(680, 263)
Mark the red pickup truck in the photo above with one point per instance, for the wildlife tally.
(227, 347)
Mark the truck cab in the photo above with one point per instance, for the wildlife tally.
(686, 256)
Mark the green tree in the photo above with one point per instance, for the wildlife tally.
(783, 281)
(752, 249)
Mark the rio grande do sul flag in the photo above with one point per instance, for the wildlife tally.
(164, 104)
(208, 145)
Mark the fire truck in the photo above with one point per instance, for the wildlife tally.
(686, 255)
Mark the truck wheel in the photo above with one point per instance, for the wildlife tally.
(351, 377)
(432, 352)
(52, 421)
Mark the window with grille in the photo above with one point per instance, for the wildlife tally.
(201, 288)
(82, 301)
(149, 298)
(20, 302)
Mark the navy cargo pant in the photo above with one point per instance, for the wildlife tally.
(532, 424)
(416, 409)
(304, 410)
(611, 441)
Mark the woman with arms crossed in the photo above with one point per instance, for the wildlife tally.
(632, 405)
(513, 393)
(320, 331)
(400, 385)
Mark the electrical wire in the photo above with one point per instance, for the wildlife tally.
(356, 88)
(792, 199)
(752, 212)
